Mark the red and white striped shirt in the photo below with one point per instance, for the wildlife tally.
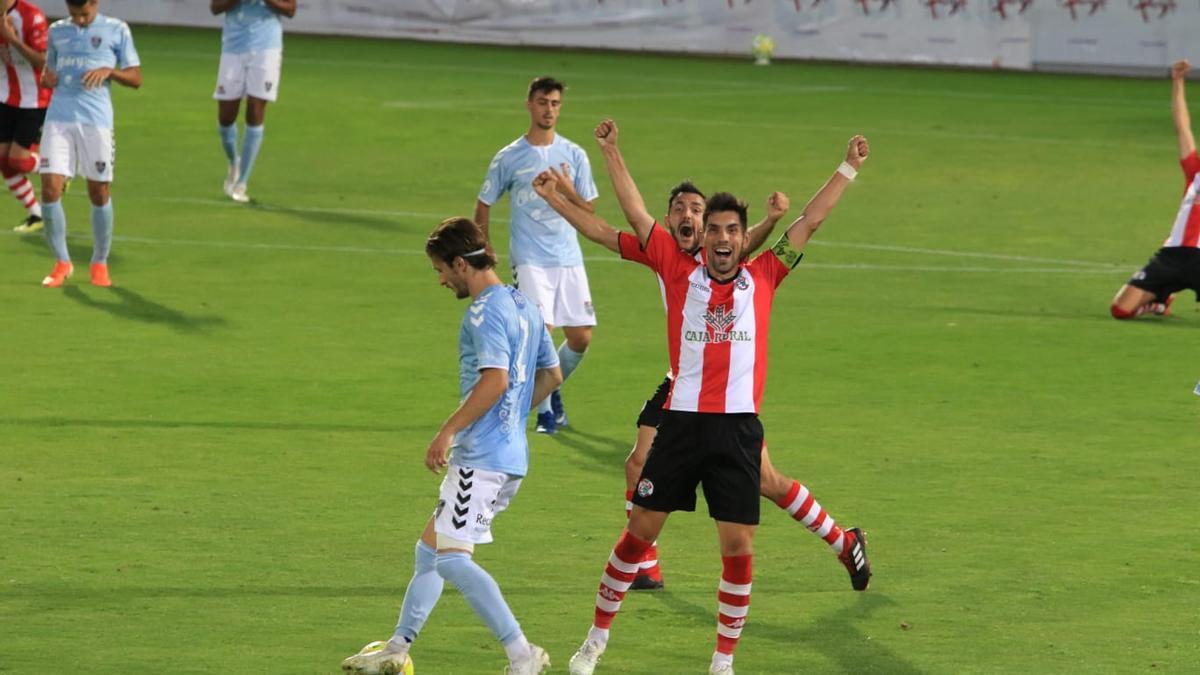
(1186, 230)
(21, 83)
(716, 332)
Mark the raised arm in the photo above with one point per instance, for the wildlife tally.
(627, 193)
(777, 207)
(587, 223)
(492, 384)
(818, 208)
(567, 189)
(1179, 109)
(221, 6)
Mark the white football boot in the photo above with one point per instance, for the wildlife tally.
(231, 178)
(377, 658)
(585, 660)
(538, 662)
(238, 193)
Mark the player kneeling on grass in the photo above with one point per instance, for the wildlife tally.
(507, 363)
(86, 53)
(1176, 265)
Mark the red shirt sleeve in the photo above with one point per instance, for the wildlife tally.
(631, 248)
(1191, 166)
(36, 31)
(768, 266)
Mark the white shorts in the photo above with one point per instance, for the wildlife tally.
(561, 293)
(251, 74)
(468, 501)
(66, 145)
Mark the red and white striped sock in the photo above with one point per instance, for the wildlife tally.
(733, 601)
(800, 504)
(618, 574)
(649, 564)
(22, 190)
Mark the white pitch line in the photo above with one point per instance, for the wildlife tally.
(1102, 267)
(363, 250)
(963, 254)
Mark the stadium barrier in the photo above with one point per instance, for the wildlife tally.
(1125, 36)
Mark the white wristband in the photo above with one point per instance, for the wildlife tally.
(846, 170)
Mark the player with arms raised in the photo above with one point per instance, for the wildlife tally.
(1176, 265)
(506, 362)
(87, 52)
(685, 207)
(718, 318)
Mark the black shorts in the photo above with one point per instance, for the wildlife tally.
(22, 125)
(1171, 269)
(720, 452)
(652, 411)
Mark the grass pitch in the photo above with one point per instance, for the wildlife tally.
(215, 466)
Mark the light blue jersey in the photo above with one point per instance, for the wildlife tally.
(502, 329)
(104, 43)
(537, 234)
(251, 26)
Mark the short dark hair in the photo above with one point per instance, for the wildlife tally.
(460, 238)
(544, 85)
(724, 201)
(685, 187)
(77, 3)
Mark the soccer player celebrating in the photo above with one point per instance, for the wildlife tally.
(1176, 265)
(685, 208)
(23, 110)
(718, 316)
(87, 52)
(251, 57)
(547, 262)
(506, 362)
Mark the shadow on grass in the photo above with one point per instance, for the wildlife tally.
(594, 448)
(1179, 319)
(381, 223)
(835, 635)
(132, 305)
(51, 421)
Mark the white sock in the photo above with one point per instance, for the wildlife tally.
(599, 635)
(518, 649)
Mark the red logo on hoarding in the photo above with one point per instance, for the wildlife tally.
(1074, 6)
(883, 4)
(1151, 7)
(1003, 7)
(952, 5)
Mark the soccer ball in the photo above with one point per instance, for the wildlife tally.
(377, 646)
(762, 48)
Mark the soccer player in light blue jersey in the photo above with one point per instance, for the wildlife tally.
(546, 259)
(506, 362)
(86, 53)
(251, 57)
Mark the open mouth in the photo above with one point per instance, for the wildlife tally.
(686, 231)
(723, 253)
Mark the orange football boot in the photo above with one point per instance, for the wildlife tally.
(100, 275)
(62, 271)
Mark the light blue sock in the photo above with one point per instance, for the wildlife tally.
(422, 595)
(228, 140)
(482, 594)
(55, 220)
(102, 229)
(568, 359)
(251, 142)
